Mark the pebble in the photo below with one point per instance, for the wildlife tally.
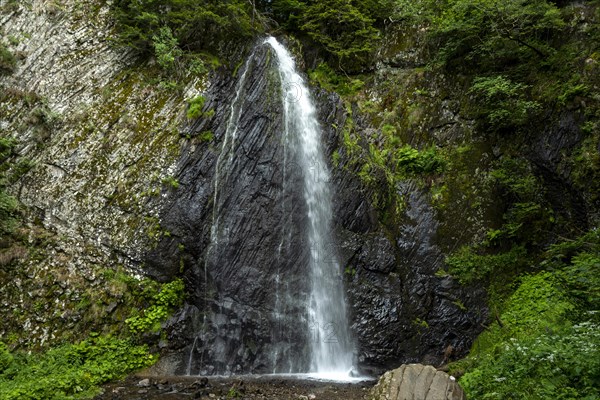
(144, 383)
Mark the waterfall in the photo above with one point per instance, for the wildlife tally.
(296, 322)
(330, 343)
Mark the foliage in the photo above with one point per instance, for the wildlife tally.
(327, 78)
(166, 48)
(195, 107)
(8, 61)
(342, 30)
(503, 103)
(548, 366)
(467, 265)
(197, 25)
(206, 136)
(6, 359)
(169, 296)
(528, 216)
(70, 371)
(412, 161)
(347, 30)
(546, 342)
(491, 33)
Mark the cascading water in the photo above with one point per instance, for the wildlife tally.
(331, 344)
(302, 325)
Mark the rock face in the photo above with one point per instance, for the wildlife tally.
(416, 382)
(100, 138)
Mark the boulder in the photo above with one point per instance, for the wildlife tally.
(416, 382)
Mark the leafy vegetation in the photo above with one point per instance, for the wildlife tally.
(545, 344)
(71, 371)
(342, 29)
(195, 25)
(196, 105)
(162, 304)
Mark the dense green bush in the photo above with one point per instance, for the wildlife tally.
(502, 103)
(549, 366)
(168, 297)
(71, 371)
(412, 161)
(348, 30)
(491, 34)
(342, 30)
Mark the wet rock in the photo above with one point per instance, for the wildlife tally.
(416, 381)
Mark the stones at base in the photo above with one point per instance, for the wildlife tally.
(416, 382)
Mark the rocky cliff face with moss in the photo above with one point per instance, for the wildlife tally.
(100, 137)
(456, 165)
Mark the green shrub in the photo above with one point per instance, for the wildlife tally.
(343, 30)
(502, 103)
(412, 161)
(545, 344)
(528, 216)
(546, 366)
(195, 107)
(166, 48)
(169, 297)
(6, 359)
(71, 371)
(493, 33)
(206, 136)
(196, 25)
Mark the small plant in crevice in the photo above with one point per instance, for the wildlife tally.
(169, 296)
(8, 61)
(195, 107)
(171, 182)
(206, 136)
